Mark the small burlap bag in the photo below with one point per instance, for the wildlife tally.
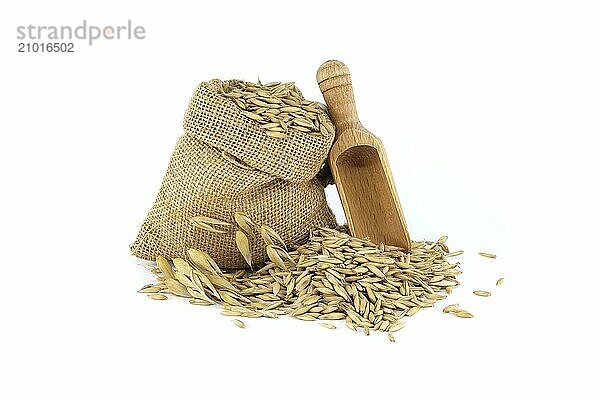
(225, 163)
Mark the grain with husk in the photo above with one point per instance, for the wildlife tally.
(326, 325)
(150, 289)
(463, 314)
(487, 255)
(244, 223)
(243, 245)
(158, 296)
(239, 323)
(450, 308)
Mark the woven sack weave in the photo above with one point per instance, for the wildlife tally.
(225, 163)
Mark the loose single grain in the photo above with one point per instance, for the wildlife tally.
(326, 325)
(239, 323)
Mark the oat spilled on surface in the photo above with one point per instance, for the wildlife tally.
(333, 276)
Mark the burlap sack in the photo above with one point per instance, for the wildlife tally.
(225, 163)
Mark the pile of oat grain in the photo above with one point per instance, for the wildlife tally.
(333, 276)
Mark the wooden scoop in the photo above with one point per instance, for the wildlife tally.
(360, 166)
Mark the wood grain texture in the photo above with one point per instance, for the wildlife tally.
(359, 165)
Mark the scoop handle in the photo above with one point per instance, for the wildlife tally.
(335, 84)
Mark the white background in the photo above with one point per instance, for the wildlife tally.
(489, 112)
